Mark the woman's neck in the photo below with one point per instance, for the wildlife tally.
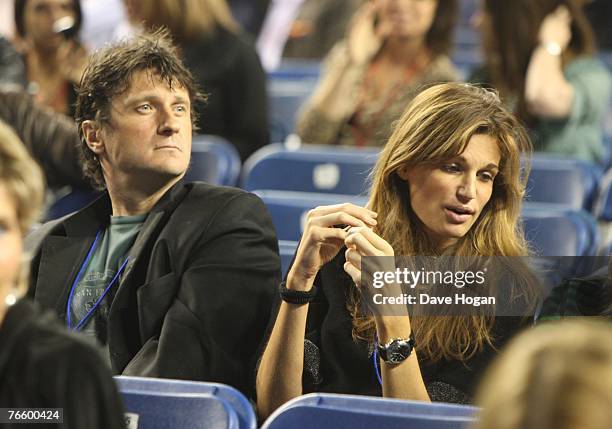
(403, 50)
(42, 62)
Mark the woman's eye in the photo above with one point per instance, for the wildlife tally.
(181, 108)
(144, 108)
(451, 168)
(487, 177)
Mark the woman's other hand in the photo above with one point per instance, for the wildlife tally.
(322, 239)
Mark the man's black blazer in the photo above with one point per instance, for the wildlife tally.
(196, 295)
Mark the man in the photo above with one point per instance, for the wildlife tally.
(173, 280)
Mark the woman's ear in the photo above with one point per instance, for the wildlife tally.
(403, 173)
(92, 134)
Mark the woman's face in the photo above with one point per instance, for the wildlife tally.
(448, 198)
(408, 18)
(39, 16)
(10, 244)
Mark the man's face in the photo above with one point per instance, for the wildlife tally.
(148, 137)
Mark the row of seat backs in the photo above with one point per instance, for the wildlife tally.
(340, 170)
(334, 411)
(550, 229)
(153, 403)
(337, 170)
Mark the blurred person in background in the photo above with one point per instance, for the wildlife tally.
(50, 138)
(539, 54)
(393, 49)
(41, 364)
(222, 60)
(555, 376)
(250, 14)
(12, 70)
(54, 60)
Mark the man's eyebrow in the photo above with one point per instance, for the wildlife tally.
(153, 97)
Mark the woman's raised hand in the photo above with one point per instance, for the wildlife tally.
(556, 28)
(366, 35)
(72, 58)
(362, 242)
(324, 235)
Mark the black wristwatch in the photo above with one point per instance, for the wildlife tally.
(397, 350)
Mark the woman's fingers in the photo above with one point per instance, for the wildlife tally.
(320, 234)
(368, 243)
(354, 257)
(354, 272)
(366, 215)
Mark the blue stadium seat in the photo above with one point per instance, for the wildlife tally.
(285, 97)
(311, 168)
(602, 207)
(559, 180)
(327, 411)
(556, 230)
(214, 160)
(227, 394)
(296, 70)
(69, 203)
(155, 410)
(288, 88)
(288, 209)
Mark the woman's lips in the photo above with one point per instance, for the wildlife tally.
(457, 217)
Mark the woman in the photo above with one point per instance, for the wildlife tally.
(392, 50)
(223, 62)
(41, 366)
(555, 376)
(540, 57)
(54, 61)
(448, 182)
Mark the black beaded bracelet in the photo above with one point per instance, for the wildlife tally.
(297, 296)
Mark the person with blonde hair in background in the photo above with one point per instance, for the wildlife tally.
(448, 182)
(392, 50)
(223, 62)
(555, 376)
(41, 365)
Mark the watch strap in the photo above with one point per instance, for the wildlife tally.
(297, 296)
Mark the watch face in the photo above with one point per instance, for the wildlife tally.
(398, 351)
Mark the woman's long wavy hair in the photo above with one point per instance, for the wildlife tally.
(436, 127)
(510, 35)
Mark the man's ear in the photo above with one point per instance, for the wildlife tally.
(93, 136)
(403, 173)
